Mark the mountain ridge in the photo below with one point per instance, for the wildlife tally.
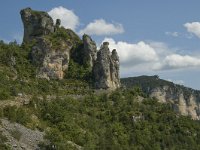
(186, 100)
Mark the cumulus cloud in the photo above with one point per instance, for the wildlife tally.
(68, 18)
(133, 54)
(150, 56)
(193, 27)
(176, 61)
(101, 27)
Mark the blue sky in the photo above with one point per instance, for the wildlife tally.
(151, 37)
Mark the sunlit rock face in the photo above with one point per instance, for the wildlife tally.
(52, 62)
(185, 101)
(186, 104)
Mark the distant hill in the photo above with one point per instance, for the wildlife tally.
(186, 100)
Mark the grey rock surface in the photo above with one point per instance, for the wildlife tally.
(185, 101)
(51, 44)
(28, 139)
(90, 50)
(36, 24)
(106, 69)
(186, 104)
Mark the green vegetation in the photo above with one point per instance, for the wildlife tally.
(72, 114)
(118, 121)
(63, 35)
(14, 114)
(3, 139)
(77, 71)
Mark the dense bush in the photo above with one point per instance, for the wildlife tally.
(15, 114)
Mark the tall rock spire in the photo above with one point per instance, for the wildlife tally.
(106, 69)
(90, 50)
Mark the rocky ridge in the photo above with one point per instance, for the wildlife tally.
(185, 101)
(54, 47)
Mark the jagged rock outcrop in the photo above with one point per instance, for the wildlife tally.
(52, 43)
(53, 47)
(90, 50)
(36, 24)
(106, 69)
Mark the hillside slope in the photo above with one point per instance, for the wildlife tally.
(53, 99)
(186, 101)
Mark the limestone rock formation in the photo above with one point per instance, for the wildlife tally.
(52, 62)
(106, 69)
(36, 24)
(185, 101)
(53, 47)
(90, 50)
(115, 68)
(52, 43)
(186, 104)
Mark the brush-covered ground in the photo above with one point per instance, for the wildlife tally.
(75, 116)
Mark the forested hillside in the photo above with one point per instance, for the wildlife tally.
(48, 90)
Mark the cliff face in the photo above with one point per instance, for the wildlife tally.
(185, 101)
(52, 62)
(54, 46)
(187, 105)
(36, 23)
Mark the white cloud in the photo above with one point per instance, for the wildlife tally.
(176, 61)
(150, 57)
(193, 28)
(67, 17)
(133, 54)
(174, 34)
(101, 27)
(178, 34)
